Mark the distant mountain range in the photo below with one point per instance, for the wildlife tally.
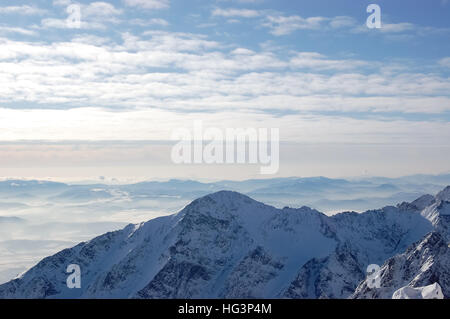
(322, 193)
(227, 245)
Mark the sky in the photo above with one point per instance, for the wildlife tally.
(103, 100)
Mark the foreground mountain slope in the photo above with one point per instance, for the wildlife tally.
(424, 263)
(362, 239)
(190, 254)
(433, 291)
(437, 211)
(227, 245)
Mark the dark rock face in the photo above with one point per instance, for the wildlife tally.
(176, 280)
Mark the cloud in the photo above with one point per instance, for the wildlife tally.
(126, 79)
(83, 124)
(93, 16)
(445, 62)
(62, 2)
(243, 51)
(22, 10)
(100, 9)
(236, 13)
(388, 28)
(17, 30)
(316, 61)
(62, 24)
(397, 27)
(402, 30)
(243, 1)
(189, 72)
(150, 22)
(135, 84)
(148, 4)
(342, 22)
(283, 25)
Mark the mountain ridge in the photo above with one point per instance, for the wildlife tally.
(227, 245)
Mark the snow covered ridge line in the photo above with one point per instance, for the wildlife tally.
(227, 245)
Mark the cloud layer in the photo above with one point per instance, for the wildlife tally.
(132, 73)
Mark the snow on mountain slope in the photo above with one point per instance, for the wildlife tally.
(335, 276)
(48, 277)
(433, 291)
(424, 263)
(227, 245)
(363, 239)
(438, 212)
(190, 254)
(220, 247)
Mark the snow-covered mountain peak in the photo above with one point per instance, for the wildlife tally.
(423, 201)
(439, 211)
(226, 205)
(228, 197)
(444, 195)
